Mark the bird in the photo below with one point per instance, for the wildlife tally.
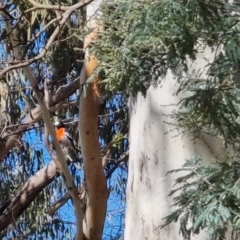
(66, 140)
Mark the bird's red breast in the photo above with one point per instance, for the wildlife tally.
(60, 132)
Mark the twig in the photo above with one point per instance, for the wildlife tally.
(109, 114)
(48, 7)
(65, 17)
(71, 188)
(122, 158)
(58, 204)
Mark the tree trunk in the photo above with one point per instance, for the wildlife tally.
(96, 185)
(155, 149)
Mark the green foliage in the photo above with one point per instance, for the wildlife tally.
(142, 39)
(212, 107)
(207, 197)
(61, 65)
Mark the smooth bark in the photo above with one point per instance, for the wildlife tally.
(157, 147)
(96, 185)
(30, 190)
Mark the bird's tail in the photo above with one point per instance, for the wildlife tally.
(72, 156)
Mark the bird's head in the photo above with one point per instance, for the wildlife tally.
(59, 124)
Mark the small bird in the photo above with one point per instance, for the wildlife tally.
(66, 140)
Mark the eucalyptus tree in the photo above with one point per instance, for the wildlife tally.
(45, 62)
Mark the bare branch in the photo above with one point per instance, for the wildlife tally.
(73, 192)
(122, 158)
(27, 194)
(35, 115)
(64, 18)
(58, 204)
(46, 93)
(46, 139)
(64, 92)
(55, 7)
(105, 158)
(44, 29)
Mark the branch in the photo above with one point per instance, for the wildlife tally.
(56, 7)
(105, 158)
(122, 158)
(35, 115)
(96, 184)
(43, 29)
(45, 113)
(27, 194)
(96, 188)
(58, 204)
(26, 63)
(42, 109)
(72, 190)
(64, 92)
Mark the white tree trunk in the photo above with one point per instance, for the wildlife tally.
(155, 148)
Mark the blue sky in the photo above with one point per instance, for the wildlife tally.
(116, 204)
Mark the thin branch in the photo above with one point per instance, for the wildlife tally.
(109, 114)
(64, 92)
(35, 115)
(13, 126)
(64, 40)
(19, 90)
(20, 131)
(46, 93)
(122, 158)
(48, 7)
(72, 190)
(43, 29)
(46, 139)
(27, 194)
(105, 158)
(65, 17)
(65, 104)
(58, 204)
